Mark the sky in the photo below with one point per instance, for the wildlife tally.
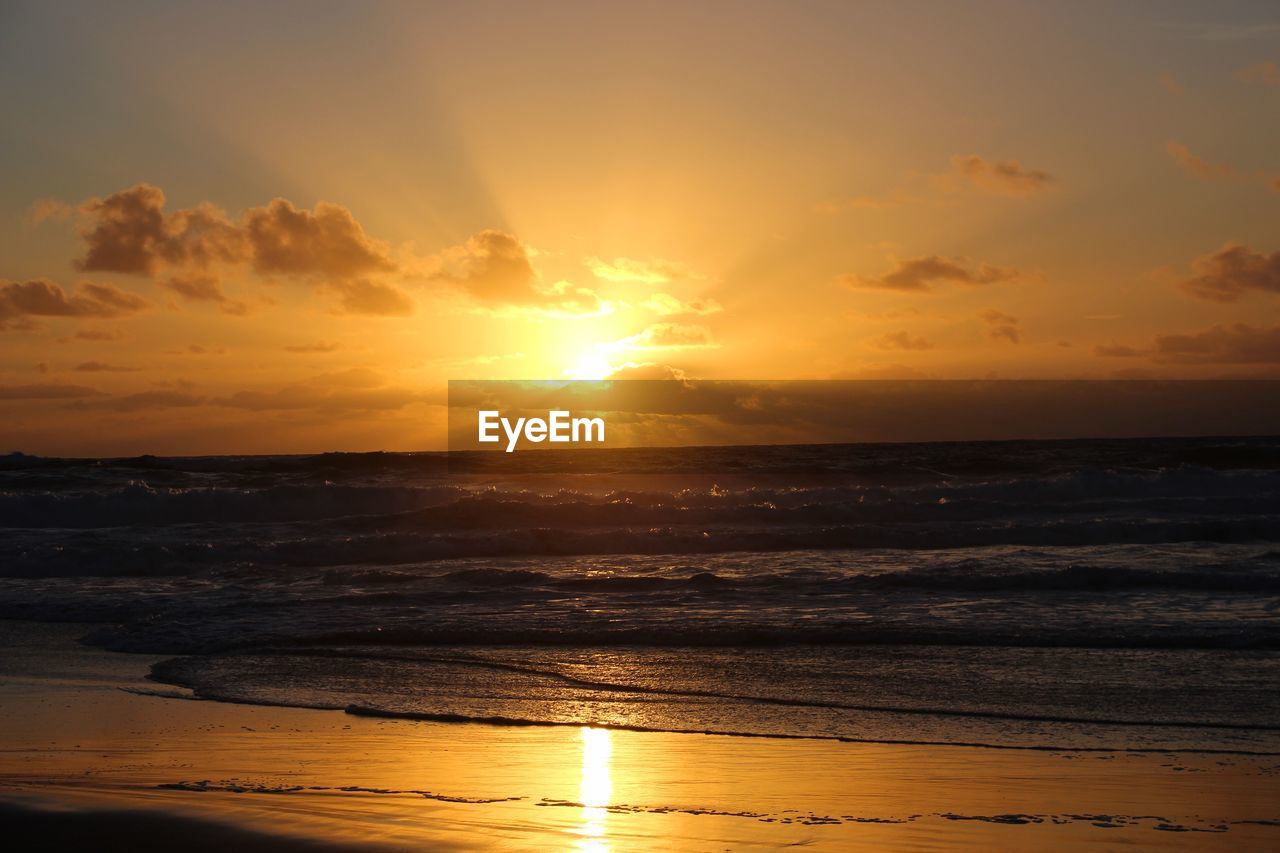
(283, 227)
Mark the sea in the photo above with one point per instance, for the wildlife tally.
(1108, 595)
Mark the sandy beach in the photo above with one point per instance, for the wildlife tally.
(93, 750)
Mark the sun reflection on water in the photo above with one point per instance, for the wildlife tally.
(595, 789)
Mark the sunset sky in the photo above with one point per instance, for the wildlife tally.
(227, 229)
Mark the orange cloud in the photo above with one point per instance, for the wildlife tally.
(45, 392)
(1000, 177)
(1171, 84)
(1235, 344)
(145, 401)
(371, 298)
(1265, 73)
(354, 390)
(102, 367)
(326, 242)
(919, 275)
(647, 271)
(993, 177)
(1117, 351)
(130, 232)
(317, 347)
(203, 288)
(667, 336)
(494, 268)
(669, 306)
(1196, 166)
(1002, 326)
(42, 298)
(1233, 271)
(902, 341)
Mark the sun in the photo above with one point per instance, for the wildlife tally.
(592, 364)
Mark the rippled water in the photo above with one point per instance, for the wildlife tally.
(1104, 594)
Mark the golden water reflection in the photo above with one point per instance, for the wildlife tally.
(595, 789)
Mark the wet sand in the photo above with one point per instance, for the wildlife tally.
(90, 755)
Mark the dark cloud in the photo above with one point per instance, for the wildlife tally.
(326, 242)
(103, 367)
(204, 288)
(1234, 344)
(923, 274)
(42, 298)
(1001, 326)
(129, 232)
(903, 341)
(1117, 351)
(45, 392)
(146, 400)
(1233, 271)
(98, 335)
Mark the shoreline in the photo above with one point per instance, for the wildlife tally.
(78, 736)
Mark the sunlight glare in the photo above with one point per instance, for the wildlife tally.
(590, 365)
(595, 789)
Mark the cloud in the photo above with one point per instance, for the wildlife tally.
(896, 197)
(968, 171)
(1233, 271)
(318, 346)
(371, 299)
(145, 400)
(97, 335)
(998, 177)
(42, 298)
(669, 306)
(1002, 326)
(1234, 344)
(1265, 73)
(919, 275)
(648, 370)
(494, 269)
(203, 288)
(43, 209)
(102, 367)
(902, 341)
(1117, 351)
(326, 242)
(1196, 166)
(1171, 84)
(196, 349)
(647, 270)
(491, 266)
(130, 232)
(45, 392)
(356, 389)
(667, 336)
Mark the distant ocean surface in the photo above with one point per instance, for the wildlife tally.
(1118, 594)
